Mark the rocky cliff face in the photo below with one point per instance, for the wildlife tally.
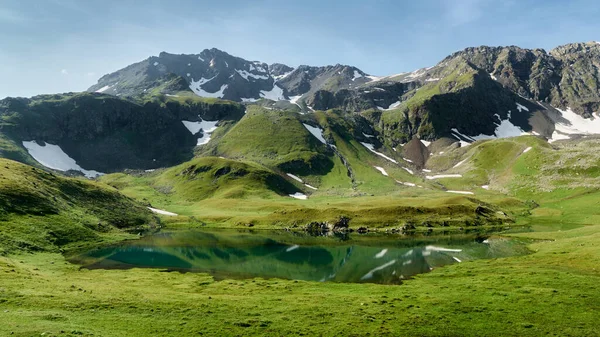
(565, 77)
(107, 133)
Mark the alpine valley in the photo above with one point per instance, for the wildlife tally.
(488, 139)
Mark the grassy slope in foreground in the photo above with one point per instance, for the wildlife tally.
(40, 211)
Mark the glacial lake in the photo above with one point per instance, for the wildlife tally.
(356, 258)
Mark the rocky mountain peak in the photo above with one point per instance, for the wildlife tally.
(215, 73)
(278, 70)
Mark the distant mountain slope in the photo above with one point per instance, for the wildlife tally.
(214, 73)
(105, 133)
(470, 93)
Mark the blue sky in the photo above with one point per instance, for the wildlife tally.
(50, 46)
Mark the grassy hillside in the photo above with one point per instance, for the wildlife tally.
(561, 178)
(361, 161)
(10, 149)
(276, 139)
(40, 211)
(260, 198)
(209, 177)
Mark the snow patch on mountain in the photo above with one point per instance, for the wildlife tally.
(104, 88)
(415, 74)
(382, 170)
(390, 107)
(294, 177)
(573, 123)
(357, 75)
(504, 129)
(196, 87)
(205, 139)
(294, 100)
(299, 195)
(162, 212)
(460, 163)
(246, 74)
(557, 136)
(383, 78)
(521, 108)
(461, 192)
(371, 148)
(441, 176)
(275, 94)
(394, 105)
(282, 76)
(258, 67)
(315, 131)
(195, 127)
(207, 127)
(52, 156)
(298, 179)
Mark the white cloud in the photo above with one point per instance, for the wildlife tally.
(64, 72)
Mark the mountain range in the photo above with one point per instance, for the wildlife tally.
(169, 108)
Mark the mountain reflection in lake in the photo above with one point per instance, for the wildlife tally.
(358, 258)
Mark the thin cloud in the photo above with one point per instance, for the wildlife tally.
(64, 72)
(461, 12)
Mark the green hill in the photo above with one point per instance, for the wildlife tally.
(276, 139)
(208, 177)
(40, 211)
